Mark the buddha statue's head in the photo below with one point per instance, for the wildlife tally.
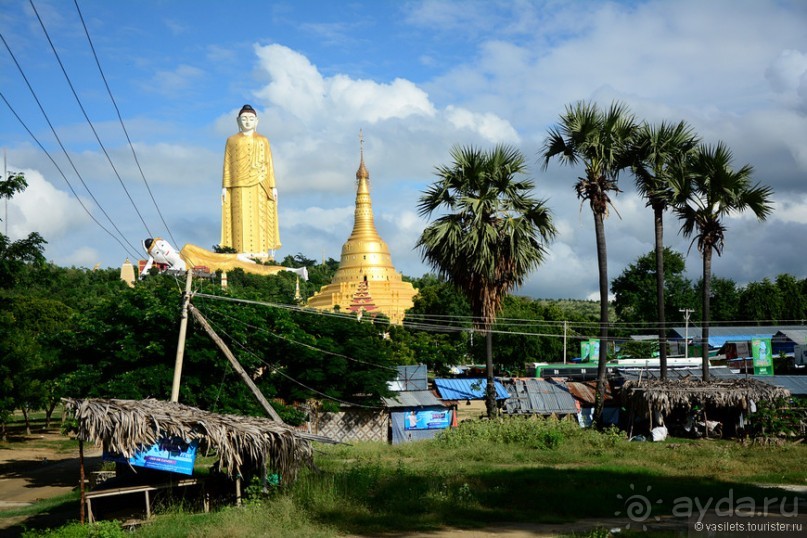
(247, 119)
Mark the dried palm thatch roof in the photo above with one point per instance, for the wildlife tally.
(662, 396)
(243, 444)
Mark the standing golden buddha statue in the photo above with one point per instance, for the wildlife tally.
(249, 221)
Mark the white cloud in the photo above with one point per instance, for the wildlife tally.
(170, 82)
(788, 77)
(85, 257)
(43, 208)
(492, 128)
(318, 218)
(791, 210)
(298, 87)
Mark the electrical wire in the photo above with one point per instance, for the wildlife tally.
(87, 117)
(301, 344)
(38, 143)
(61, 145)
(276, 369)
(123, 126)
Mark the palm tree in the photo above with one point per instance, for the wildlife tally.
(713, 191)
(492, 234)
(601, 140)
(660, 153)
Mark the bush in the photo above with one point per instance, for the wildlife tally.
(782, 418)
(99, 529)
(532, 432)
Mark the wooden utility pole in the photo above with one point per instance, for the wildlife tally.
(183, 329)
(236, 365)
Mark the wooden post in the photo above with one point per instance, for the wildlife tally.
(236, 365)
(183, 329)
(81, 480)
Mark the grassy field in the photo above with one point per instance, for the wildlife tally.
(484, 474)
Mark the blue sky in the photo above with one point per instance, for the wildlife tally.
(416, 78)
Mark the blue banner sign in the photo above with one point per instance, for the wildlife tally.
(427, 420)
(168, 454)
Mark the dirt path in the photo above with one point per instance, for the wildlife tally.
(29, 474)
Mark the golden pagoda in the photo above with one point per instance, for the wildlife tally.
(366, 281)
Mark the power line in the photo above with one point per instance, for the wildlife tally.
(64, 176)
(86, 117)
(309, 346)
(56, 135)
(277, 370)
(123, 126)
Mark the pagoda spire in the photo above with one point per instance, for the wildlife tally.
(364, 222)
(366, 275)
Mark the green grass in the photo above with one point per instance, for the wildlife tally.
(66, 502)
(483, 474)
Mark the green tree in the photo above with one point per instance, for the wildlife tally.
(712, 191)
(724, 301)
(761, 302)
(634, 305)
(12, 184)
(602, 141)
(794, 305)
(493, 234)
(125, 344)
(522, 333)
(660, 153)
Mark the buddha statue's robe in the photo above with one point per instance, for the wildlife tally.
(249, 221)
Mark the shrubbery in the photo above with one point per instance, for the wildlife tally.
(532, 432)
(99, 529)
(782, 418)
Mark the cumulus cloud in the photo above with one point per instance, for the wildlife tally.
(318, 218)
(84, 257)
(297, 85)
(44, 209)
(788, 77)
(492, 128)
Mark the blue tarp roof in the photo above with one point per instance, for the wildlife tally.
(467, 389)
(718, 341)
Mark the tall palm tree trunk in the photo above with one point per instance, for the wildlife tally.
(602, 264)
(662, 327)
(490, 392)
(707, 291)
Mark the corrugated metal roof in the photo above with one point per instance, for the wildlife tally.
(720, 335)
(413, 398)
(467, 389)
(798, 336)
(536, 396)
(796, 384)
(586, 391)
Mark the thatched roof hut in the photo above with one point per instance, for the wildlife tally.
(244, 444)
(653, 395)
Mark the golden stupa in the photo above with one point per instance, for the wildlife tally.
(366, 281)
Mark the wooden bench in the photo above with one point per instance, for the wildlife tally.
(146, 489)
